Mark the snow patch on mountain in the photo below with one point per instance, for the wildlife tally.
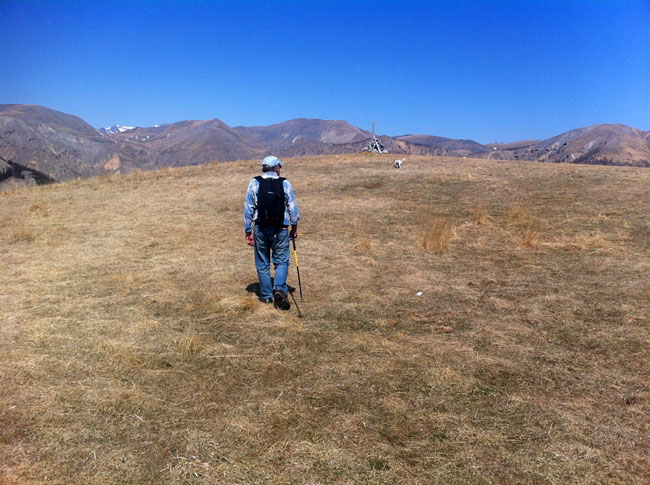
(115, 129)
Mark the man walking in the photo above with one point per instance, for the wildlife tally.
(271, 207)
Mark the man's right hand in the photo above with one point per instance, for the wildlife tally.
(250, 239)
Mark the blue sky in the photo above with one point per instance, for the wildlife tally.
(483, 70)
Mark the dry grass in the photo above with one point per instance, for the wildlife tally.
(531, 235)
(37, 209)
(435, 234)
(527, 228)
(20, 234)
(480, 216)
(363, 245)
(513, 350)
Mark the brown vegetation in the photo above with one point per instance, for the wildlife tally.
(515, 350)
(435, 233)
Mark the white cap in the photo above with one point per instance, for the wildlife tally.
(271, 161)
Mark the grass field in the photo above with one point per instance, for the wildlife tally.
(131, 351)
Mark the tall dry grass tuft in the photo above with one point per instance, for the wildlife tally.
(37, 209)
(596, 242)
(479, 216)
(20, 234)
(531, 234)
(435, 234)
(237, 305)
(189, 344)
(516, 213)
(363, 245)
(529, 228)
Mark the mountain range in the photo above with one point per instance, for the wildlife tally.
(114, 129)
(61, 146)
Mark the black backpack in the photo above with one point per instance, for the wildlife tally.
(270, 201)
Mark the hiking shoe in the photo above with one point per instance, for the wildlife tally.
(265, 300)
(280, 300)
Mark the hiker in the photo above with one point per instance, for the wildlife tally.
(271, 208)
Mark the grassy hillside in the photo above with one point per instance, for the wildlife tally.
(131, 351)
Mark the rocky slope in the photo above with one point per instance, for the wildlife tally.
(61, 145)
(191, 143)
(436, 145)
(598, 144)
(303, 136)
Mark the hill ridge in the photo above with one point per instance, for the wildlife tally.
(64, 146)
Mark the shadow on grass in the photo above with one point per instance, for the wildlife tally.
(255, 288)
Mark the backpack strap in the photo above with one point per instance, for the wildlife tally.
(259, 178)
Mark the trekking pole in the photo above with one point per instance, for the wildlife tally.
(297, 307)
(295, 253)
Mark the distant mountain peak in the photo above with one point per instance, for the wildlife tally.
(111, 130)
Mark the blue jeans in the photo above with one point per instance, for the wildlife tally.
(276, 240)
